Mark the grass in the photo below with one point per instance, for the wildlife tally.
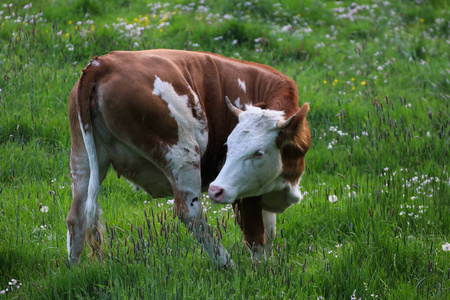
(376, 75)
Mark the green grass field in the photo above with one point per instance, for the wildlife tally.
(375, 218)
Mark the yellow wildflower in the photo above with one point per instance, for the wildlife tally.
(363, 83)
(324, 82)
(353, 87)
(70, 22)
(421, 20)
(335, 80)
(353, 79)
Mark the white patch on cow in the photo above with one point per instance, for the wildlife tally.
(242, 85)
(94, 181)
(95, 63)
(238, 104)
(182, 113)
(253, 165)
(182, 158)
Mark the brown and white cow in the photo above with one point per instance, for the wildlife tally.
(162, 118)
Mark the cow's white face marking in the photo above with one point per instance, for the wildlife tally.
(95, 63)
(184, 157)
(253, 165)
(242, 85)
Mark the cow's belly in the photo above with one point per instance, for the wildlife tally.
(138, 170)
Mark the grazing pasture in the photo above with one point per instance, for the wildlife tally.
(375, 218)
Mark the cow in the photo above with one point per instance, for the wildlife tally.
(164, 120)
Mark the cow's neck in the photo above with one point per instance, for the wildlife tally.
(244, 83)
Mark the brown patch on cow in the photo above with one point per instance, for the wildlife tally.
(94, 99)
(251, 221)
(293, 143)
(260, 105)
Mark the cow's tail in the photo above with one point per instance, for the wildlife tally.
(86, 95)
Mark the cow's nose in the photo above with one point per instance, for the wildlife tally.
(216, 193)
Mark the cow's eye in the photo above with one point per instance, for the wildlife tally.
(258, 154)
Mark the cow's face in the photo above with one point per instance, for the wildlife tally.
(254, 164)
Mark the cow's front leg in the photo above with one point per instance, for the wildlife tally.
(250, 216)
(270, 228)
(186, 183)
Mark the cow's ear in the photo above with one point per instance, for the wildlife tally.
(297, 132)
(297, 122)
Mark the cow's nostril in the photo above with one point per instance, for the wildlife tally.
(216, 193)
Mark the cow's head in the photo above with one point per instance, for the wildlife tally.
(265, 155)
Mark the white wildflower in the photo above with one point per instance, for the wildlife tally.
(320, 45)
(446, 247)
(286, 28)
(44, 209)
(333, 198)
(163, 24)
(228, 17)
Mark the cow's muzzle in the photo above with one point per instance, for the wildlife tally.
(216, 194)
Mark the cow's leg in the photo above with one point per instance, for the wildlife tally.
(251, 224)
(83, 220)
(270, 228)
(186, 183)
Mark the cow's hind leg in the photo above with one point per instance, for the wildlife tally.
(83, 220)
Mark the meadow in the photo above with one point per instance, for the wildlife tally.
(375, 218)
